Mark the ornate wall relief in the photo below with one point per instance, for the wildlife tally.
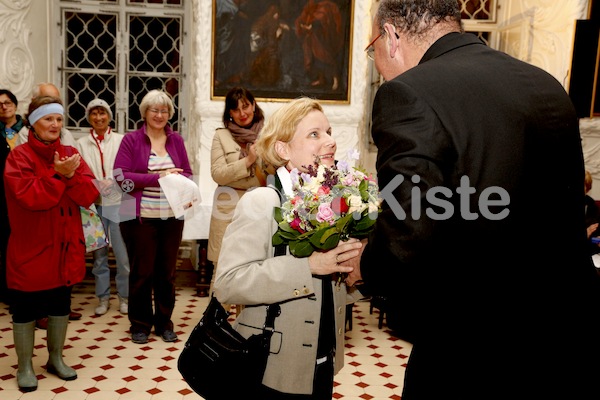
(16, 59)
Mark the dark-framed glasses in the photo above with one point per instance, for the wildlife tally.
(7, 104)
(370, 49)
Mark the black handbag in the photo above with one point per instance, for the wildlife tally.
(219, 363)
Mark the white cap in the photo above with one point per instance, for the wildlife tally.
(97, 103)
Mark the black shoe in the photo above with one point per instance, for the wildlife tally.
(168, 336)
(139, 338)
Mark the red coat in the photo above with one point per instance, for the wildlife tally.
(46, 248)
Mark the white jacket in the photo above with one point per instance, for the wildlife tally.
(91, 154)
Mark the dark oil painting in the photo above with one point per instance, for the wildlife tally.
(282, 49)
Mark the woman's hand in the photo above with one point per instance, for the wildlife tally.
(66, 166)
(330, 262)
(251, 157)
(591, 229)
(169, 171)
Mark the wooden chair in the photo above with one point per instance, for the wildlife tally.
(378, 302)
(349, 308)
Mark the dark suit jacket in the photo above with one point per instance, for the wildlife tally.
(470, 290)
(592, 216)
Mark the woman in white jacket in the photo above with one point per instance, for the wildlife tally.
(307, 347)
(99, 150)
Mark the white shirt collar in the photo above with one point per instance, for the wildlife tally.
(286, 181)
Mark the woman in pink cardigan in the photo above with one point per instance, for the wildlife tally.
(153, 235)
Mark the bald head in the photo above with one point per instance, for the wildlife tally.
(45, 89)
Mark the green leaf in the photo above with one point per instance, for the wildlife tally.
(342, 223)
(325, 239)
(277, 239)
(363, 187)
(278, 214)
(285, 226)
(365, 223)
(301, 248)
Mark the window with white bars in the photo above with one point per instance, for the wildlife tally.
(119, 50)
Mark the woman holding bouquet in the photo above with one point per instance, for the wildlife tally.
(309, 332)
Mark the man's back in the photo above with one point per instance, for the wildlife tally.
(510, 278)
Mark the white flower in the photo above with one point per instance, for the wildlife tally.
(355, 203)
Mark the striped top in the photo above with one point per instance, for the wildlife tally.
(154, 204)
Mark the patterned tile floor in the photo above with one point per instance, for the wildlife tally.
(111, 367)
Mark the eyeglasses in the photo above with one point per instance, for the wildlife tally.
(156, 111)
(370, 49)
(7, 104)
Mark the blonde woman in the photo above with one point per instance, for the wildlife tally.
(153, 235)
(309, 339)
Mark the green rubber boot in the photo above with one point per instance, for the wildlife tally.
(24, 337)
(57, 333)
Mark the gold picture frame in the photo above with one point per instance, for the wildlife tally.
(283, 49)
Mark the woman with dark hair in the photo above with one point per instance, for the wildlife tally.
(46, 182)
(235, 166)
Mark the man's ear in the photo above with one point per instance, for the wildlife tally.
(391, 32)
(282, 149)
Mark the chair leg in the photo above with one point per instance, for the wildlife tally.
(349, 308)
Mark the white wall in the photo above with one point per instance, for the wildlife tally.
(541, 32)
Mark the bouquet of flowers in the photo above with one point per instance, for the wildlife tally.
(329, 204)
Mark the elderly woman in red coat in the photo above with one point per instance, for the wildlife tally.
(45, 184)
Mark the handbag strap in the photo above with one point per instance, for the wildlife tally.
(273, 311)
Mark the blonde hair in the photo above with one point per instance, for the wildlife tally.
(281, 126)
(587, 181)
(157, 97)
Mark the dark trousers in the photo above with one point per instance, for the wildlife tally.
(30, 306)
(322, 389)
(152, 246)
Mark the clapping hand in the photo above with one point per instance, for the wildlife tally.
(66, 165)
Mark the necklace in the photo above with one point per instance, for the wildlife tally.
(9, 133)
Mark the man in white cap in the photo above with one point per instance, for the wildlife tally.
(99, 150)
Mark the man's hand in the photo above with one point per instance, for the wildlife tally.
(355, 276)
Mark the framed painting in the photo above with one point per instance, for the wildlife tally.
(282, 49)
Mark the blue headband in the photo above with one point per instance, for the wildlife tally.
(42, 111)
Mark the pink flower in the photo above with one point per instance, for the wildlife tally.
(348, 180)
(325, 213)
(323, 191)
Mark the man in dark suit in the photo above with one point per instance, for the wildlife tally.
(481, 244)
